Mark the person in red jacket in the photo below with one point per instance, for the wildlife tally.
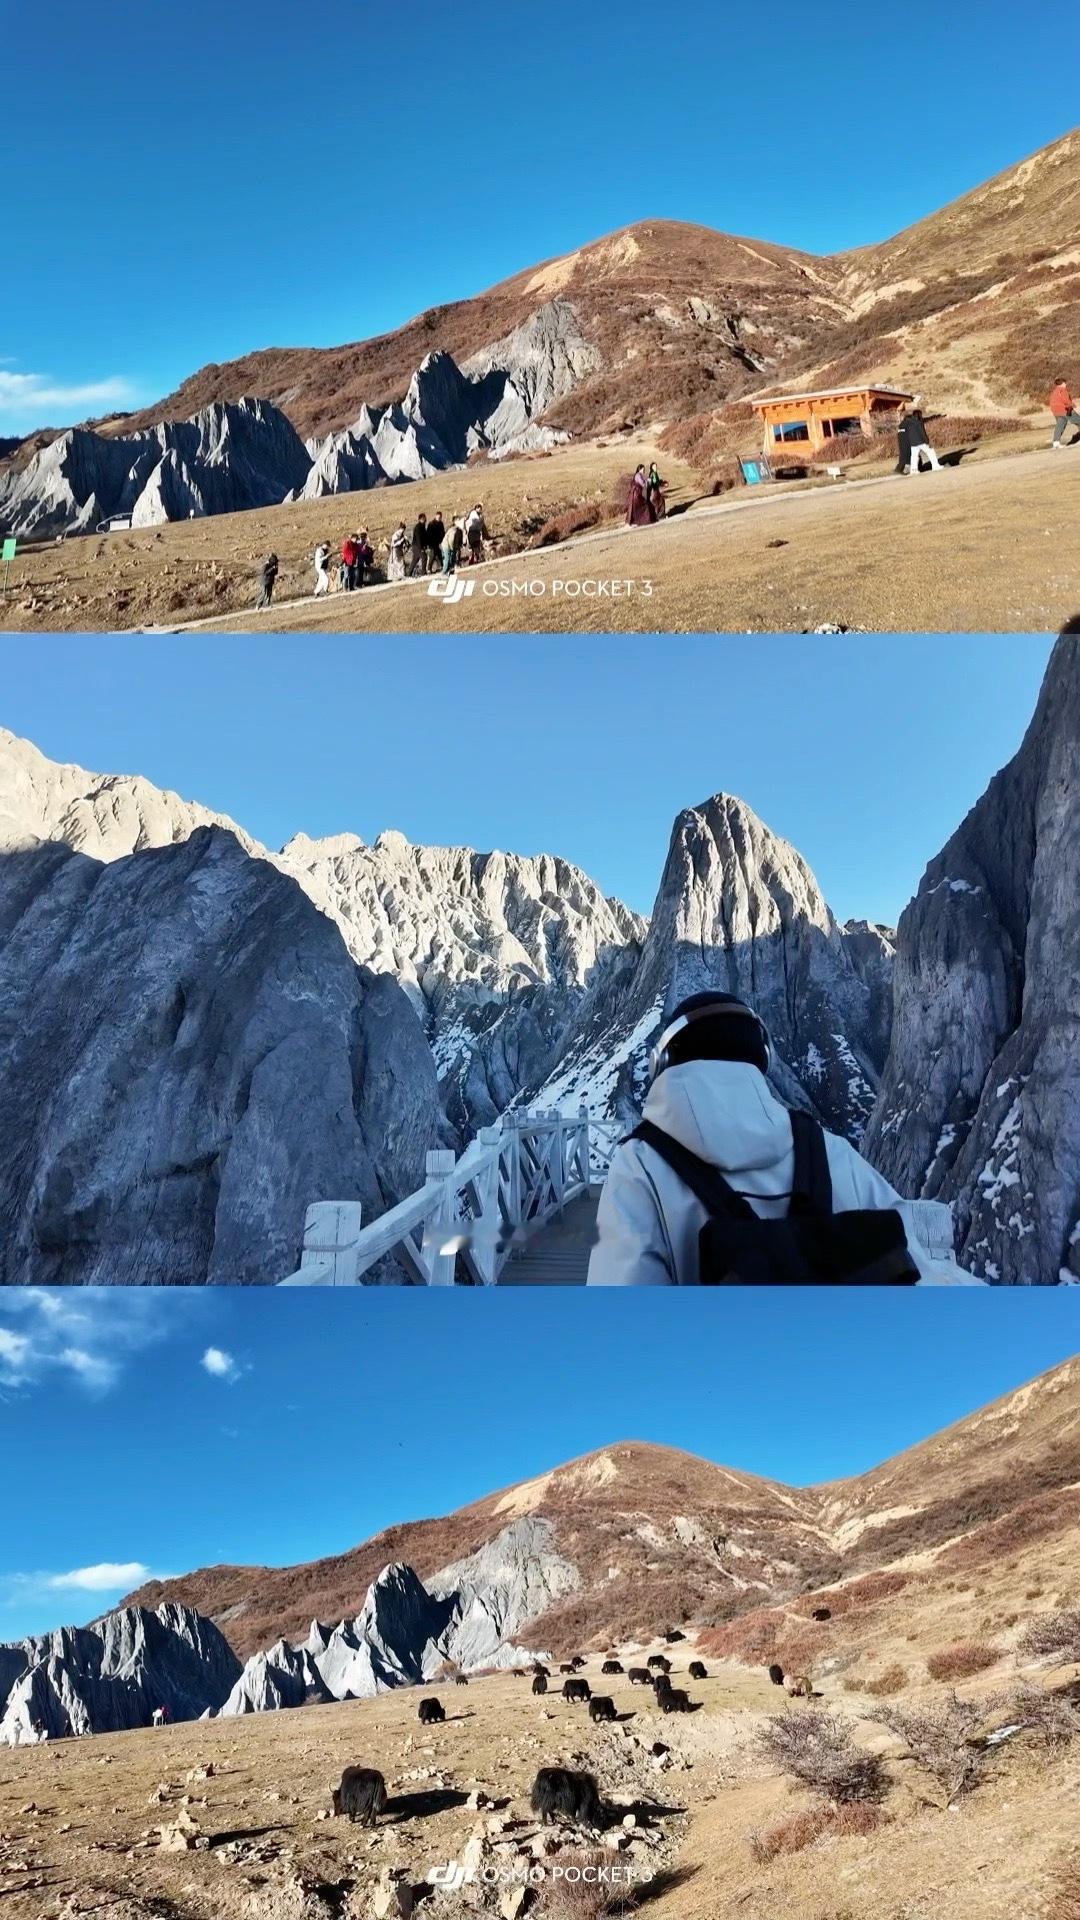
(1063, 410)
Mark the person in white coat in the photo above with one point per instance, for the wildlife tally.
(710, 1094)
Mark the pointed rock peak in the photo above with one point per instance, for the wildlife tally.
(330, 846)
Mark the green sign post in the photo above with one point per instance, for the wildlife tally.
(7, 555)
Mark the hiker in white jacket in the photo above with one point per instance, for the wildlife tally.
(724, 1111)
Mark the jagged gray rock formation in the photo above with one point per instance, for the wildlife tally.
(188, 1055)
(495, 950)
(493, 404)
(409, 1630)
(235, 455)
(544, 359)
(497, 1590)
(114, 1674)
(283, 1676)
(980, 1102)
(230, 456)
(739, 909)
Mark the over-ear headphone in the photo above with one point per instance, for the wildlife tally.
(705, 1007)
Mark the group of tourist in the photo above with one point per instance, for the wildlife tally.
(436, 545)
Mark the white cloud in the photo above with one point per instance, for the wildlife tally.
(83, 1336)
(220, 1364)
(109, 1576)
(14, 1353)
(30, 400)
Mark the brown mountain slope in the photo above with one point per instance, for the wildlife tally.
(973, 303)
(660, 1536)
(631, 290)
(977, 303)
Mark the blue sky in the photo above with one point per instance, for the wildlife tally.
(125, 1449)
(864, 751)
(250, 175)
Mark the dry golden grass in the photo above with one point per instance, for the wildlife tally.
(1064, 1900)
(985, 546)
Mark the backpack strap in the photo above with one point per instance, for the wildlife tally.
(811, 1185)
(707, 1183)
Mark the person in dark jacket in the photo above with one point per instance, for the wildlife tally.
(419, 561)
(365, 555)
(914, 441)
(266, 580)
(436, 534)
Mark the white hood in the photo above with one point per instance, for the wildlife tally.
(724, 1111)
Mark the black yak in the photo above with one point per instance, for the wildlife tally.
(576, 1690)
(361, 1795)
(429, 1712)
(672, 1700)
(697, 1670)
(539, 1684)
(776, 1675)
(611, 1666)
(574, 1796)
(640, 1677)
(822, 1613)
(658, 1661)
(602, 1707)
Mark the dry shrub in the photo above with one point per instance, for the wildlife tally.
(856, 1818)
(856, 1594)
(703, 439)
(893, 1680)
(819, 1752)
(1064, 1899)
(1052, 1634)
(851, 446)
(751, 1637)
(941, 1739)
(600, 1888)
(852, 1820)
(959, 1662)
(1053, 1718)
(563, 526)
(791, 1835)
(724, 478)
(797, 1651)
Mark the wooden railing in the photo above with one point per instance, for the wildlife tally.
(470, 1215)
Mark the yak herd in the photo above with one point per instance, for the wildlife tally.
(557, 1792)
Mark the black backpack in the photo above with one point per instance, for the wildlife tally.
(813, 1245)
